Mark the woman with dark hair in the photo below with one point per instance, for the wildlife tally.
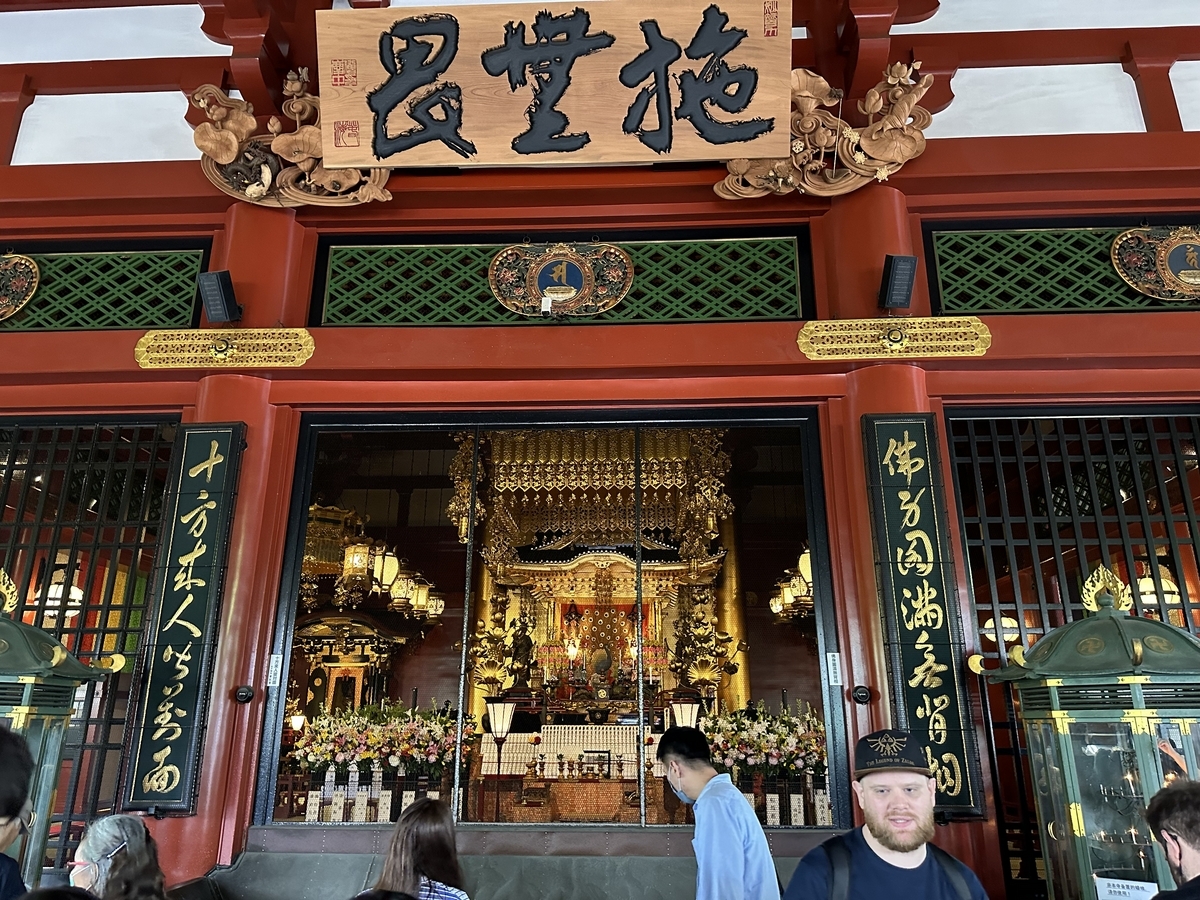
(422, 860)
(118, 860)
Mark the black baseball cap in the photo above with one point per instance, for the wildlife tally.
(888, 750)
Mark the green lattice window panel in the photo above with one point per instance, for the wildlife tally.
(137, 289)
(1036, 271)
(674, 281)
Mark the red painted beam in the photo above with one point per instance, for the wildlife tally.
(1048, 48)
(120, 75)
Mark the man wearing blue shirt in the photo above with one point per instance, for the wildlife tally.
(891, 855)
(732, 858)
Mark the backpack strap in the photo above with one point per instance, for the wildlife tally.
(953, 869)
(839, 863)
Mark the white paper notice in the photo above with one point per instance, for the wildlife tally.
(337, 812)
(797, 809)
(384, 812)
(406, 799)
(360, 804)
(434, 795)
(772, 809)
(1116, 889)
(824, 813)
(749, 795)
(312, 809)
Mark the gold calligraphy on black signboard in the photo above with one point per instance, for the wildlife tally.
(917, 581)
(166, 741)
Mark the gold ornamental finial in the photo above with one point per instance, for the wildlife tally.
(1105, 581)
(8, 591)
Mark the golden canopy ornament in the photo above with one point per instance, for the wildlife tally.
(283, 168)
(1105, 581)
(829, 158)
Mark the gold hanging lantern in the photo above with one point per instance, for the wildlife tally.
(437, 604)
(358, 561)
(794, 597)
(402, 587)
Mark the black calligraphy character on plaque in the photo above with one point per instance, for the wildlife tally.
(655, 60)
(437, 109)
(559, 41)
(730, 88)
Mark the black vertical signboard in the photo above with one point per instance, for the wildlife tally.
(165, 738)
(916, 578)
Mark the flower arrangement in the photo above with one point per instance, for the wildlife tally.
(753, 741)
(420, 741)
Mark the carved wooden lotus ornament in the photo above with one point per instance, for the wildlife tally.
(829, 158)
(282, 168)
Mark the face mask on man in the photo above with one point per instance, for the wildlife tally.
(683, 798)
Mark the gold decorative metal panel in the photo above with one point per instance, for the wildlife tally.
(894, 338)
(225, 348)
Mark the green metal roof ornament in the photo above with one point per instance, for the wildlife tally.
(28, 650)
(1108, 642)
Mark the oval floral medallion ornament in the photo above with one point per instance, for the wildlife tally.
(560, 279)
(18, 282)
(1161, 262)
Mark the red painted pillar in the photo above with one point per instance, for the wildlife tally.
(16, 93)
(854, 236)
(233, 732)
(267, 253)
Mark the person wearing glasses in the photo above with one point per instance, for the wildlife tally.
(1174, 817)
(118, 860)
(16, 812)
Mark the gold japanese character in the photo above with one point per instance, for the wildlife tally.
(214, 460)
(180, 657)
(199, 515)
(947, 771)
(926, 674)
(168, 728)
(909, 505)
(162, 779)
(918, 555)
(925, 613)
(905, 463)
(933, 711)
(178, 619)
(185, 578)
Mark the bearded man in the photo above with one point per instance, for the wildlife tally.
(891, 855)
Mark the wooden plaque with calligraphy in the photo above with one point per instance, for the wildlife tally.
(916, 578)
(618, 81)
(165, 736)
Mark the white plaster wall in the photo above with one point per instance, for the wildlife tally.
(129, 32)
(94, 128)
(1185, 81)
(1020, 100)
(1042, 15)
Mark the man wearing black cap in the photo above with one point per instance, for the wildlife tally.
(891, 854)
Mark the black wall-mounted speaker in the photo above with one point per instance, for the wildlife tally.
(899, 273)
(216, 293)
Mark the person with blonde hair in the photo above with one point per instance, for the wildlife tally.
(422, 859)
(118, 860)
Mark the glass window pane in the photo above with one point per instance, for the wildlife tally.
(1110, 794)
(569, 529)
(373, 683)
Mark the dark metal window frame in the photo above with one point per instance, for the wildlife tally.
(315, 424)
(1066, 607)
(93, 733)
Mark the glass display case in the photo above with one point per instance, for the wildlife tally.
(38, 680)
(1109, 704)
